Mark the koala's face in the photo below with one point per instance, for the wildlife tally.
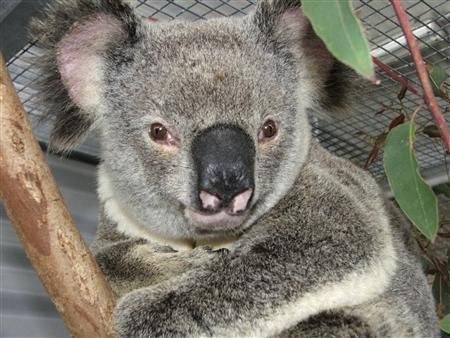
(208, 121)
(203, 125)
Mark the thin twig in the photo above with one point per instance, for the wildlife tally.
(429, 97)
(437, 265)
(413, 116)
(396, 76)
(444, 234)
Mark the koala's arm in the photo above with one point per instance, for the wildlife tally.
(129, 263)
(322, 249)
(330, 324)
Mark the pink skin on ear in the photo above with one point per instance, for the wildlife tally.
(80, 61)
(294, 18)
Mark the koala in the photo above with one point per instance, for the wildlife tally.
(220, 215)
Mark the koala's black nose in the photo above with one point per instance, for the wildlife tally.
(224, 157)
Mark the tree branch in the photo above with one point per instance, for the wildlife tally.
(385, 68)
(429, 97)
(52, 242)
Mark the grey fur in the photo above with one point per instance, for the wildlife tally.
(320, 254)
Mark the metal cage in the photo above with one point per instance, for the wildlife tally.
(25, 307)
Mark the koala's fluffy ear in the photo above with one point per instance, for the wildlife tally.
(76, 37)
(285, 30)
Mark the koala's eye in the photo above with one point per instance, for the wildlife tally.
(160, 134)
(268, 131)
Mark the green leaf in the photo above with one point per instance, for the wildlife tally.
(432, 131)
(413, 195)
(443, 189)
(336, 24)
(438, 76)
(441, 293)
(445, 324)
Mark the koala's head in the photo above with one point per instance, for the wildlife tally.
(203, 126)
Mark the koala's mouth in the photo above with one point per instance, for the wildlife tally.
(221, 220)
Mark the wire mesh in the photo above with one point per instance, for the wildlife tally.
(353, 137)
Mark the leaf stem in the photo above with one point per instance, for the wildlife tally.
(437, 265)
(413, 116)
(396, 76)
(429, 97)
(444, 234)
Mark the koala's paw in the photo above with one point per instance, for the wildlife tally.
(200, 255)
(151, 312)
(130, 318)
(184, 261)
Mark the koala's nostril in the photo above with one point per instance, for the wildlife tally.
(240, 201)
(209, 201)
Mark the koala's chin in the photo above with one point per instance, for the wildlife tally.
(219, 221)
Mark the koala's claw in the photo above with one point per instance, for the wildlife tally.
(166, 249)
(210, 250)
(222, 251)
(206, 248)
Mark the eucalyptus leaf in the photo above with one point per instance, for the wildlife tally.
(438, 76)
(414, 196)
(441, 293)
(443, 189)
(432, 131)
(337, 25)
(445, 324)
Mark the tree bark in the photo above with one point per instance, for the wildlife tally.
(51, 241)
